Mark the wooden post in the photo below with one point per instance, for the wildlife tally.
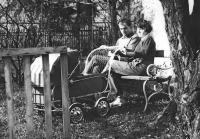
(47, 96)
(29, 102)
(9, 97)
(65, 95)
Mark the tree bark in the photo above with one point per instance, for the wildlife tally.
(114, 26)
(184, 35)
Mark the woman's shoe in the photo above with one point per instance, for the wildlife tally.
(119, 101)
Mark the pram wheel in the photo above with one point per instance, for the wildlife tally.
(76, 113)
(102, 106)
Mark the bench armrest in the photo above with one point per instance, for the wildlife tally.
(156, 71)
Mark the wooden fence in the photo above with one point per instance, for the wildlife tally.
(6, 55)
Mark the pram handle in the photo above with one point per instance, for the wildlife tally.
(74, 70)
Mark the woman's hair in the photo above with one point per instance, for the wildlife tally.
(143, 24)
(125, 20)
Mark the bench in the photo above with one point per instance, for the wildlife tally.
(158, 72)
(155, 73)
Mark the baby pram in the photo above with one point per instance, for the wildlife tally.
(84, 91)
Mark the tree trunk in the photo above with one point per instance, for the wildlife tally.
(183, 33)
(114, 27)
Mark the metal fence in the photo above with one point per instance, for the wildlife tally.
(85, 39)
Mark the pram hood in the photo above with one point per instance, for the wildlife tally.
(37, 68)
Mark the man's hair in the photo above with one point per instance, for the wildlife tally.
(143, 24)
(125, 20)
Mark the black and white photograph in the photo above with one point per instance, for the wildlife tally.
(99, 69)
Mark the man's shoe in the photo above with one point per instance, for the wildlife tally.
(118, 101)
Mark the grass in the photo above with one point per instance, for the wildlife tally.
(125, 122)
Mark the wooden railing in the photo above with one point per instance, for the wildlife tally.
(6, 55)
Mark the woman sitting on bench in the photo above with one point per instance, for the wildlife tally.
(143, 55)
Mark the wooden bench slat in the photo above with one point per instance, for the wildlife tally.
(136, 77)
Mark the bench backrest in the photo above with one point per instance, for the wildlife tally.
(159, 53)
(160, 59)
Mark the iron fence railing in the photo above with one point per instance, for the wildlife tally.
(84, 39)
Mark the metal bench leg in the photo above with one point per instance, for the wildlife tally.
(159, 92)
(145, 95)
(168, 87)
